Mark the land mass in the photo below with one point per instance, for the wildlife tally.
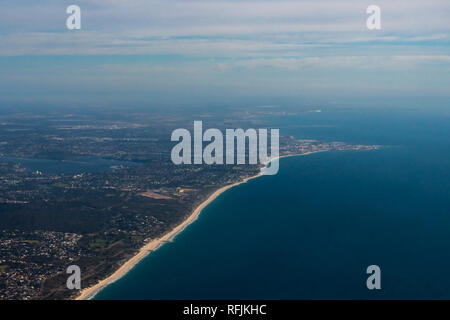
(98, 190)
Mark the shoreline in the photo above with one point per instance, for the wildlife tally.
(90, 292)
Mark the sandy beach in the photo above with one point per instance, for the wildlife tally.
(90, 292)
(153, 245)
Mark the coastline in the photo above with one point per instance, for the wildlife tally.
(90, 292)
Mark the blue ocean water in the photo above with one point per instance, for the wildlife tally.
(311, 231)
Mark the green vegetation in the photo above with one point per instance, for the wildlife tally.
(32, 241)
(98, 243)
(61, 185)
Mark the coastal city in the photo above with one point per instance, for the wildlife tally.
(78, 190)
(224, 159)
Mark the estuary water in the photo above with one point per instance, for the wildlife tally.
(311, 231)
(77, 165)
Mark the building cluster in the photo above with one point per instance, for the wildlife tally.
(27, 258)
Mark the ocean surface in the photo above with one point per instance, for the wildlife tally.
(311, 231)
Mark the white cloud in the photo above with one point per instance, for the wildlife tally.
(279, 47)
(127, 27)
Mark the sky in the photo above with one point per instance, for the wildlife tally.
(216, 51)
